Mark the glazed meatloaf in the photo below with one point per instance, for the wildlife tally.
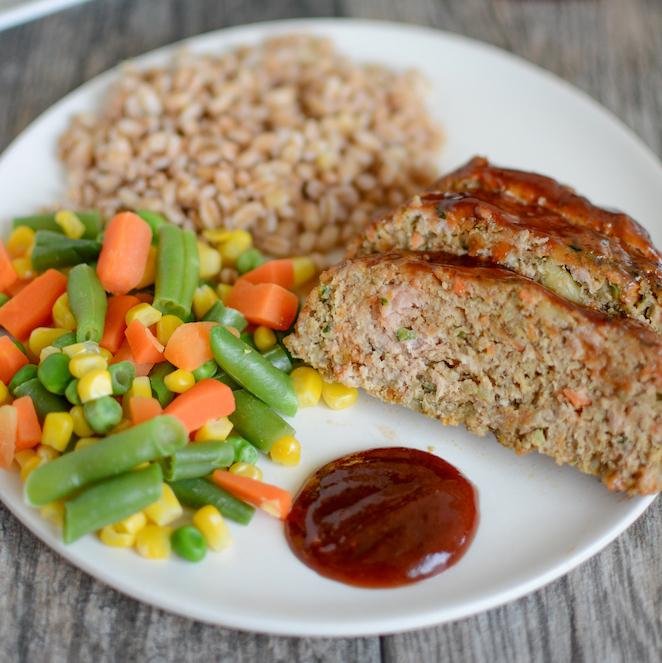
(536, 227)
(482, 346)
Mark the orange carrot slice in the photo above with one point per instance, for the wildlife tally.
(280, 272)
(143, 408)
(272, 499)
(145, 347)
(32, 306)
(11, 359)
(115, 326)
(8, 275)
(207, 399)
(8, 431)
(124, 253)
(124, 354)
(28, 431)
(265, 304)
(189, 347)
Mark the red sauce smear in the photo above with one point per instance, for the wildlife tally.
(383, 518)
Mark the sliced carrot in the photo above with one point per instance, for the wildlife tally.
(8, 431)
(113, 331)
(124, 253)
(11, 359)
(188, 347)
(280, 272)
(32, 306)
(28, 431)
(265, 304)
(143, 408)
(145, 347)
(124, 354)
(8, 275)
(272, 499)
(205, 400)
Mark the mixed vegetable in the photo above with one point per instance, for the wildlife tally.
(134, 384)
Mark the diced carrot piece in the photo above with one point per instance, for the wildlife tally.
(189, 347)
(265, 304)
(280, 272)
(205, 400)
(17, 286)
(145, 347)
(143, 408)
(8, 432)
(11, 359)
(113, 332)
(124, 253)
(32, 307)
(124, 354)
(8, 275)
(272, 499)
(28, 431)
(145, 297)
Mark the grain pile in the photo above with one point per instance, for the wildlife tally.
(287, 139)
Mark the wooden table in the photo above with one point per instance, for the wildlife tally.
(609, 609)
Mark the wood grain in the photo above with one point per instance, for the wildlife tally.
(608, 610)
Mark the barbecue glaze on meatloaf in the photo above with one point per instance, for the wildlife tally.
(474, 344)
(536, 227)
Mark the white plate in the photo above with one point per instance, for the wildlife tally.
(537, 520)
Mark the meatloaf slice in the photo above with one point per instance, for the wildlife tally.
(536, 227)
(468, 343)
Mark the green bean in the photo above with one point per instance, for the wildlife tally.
(122, 374)
(55, 250)
(162, 393)
(188, 542)
(102, 414)
(54, 373)
(207, 370)
(192, 262)
(244, 451)
(155, 221)
(91, 220)
(66, 339)
(197, 460)
(278, 358)
(248, 260)
(196, 493)
(151, 440)
(87, 300)
(225, 316)
(247, 338)
(252, 371)
(19, 345)
(258, 423)
(44, 401)
(71, 393)
(111, 500)
(27, 372)
(4, 299)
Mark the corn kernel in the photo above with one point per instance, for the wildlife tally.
(20, 242)
(71, 225)
(85, 362)
(145, 313)
(85, 442)
(166, 326)
(81, 427)
(47, 352)
(43, 336)
(47, 453)
(106, 354)
(264, 338)
(210, 261)
(166, 509)
(238, 242)
(286, 451)
(23, 456)
(141, 386)
(247, 470)
(210, 522)
(78, 348)
(223, 291)
(133, 524)
(337, 396)
(179, 381)
(215, 429)
(62, 315)
(153, 542)
(122, 425)
(30, 466)
(111, 537)
(216, 235)
(57, 430)
(4, 393)
(54, 512)
(23, 267)
(203, 299)
(304, 270)
(149, 275)
(307, 384)
(95, 384)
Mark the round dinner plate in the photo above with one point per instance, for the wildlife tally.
(537, 520)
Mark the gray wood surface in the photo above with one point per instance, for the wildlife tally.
(609, 609)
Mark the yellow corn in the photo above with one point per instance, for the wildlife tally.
(149, 274)
(85, 442)
(232, 247)
(203, 299)
(106, 354)
(286, 451)
(153, 542)
(217, 235)
(71, 225)
(133, 524)
(337, 396)
(166, 509)
(81, 427)
(47, 352)
(216, 429)
(23, 456)
(85, 362)
(95, 384)
(78, 348)
(166, 326)
(145, 313)
(247, 470)
(111, 537)
(43, 336)
(210, 522)
(47, 453)
(223, 291)
(62, 315)
(140, 386)
(264, 338)
(122, 425)
(210, 261)
(30, 466)
(57, 430)
(54, 511)
(23, 267)
(307, 384)
(179, 381)
(4, 393)
(304, 270)
(20, 242)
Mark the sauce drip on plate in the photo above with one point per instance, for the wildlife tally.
(383, 518)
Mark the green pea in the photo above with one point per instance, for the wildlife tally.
(102, 414)
(54, 373)
(27, 372)
(71, 393)
(3, 298)
(66, 339)
(248, 260)
(189, 543)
